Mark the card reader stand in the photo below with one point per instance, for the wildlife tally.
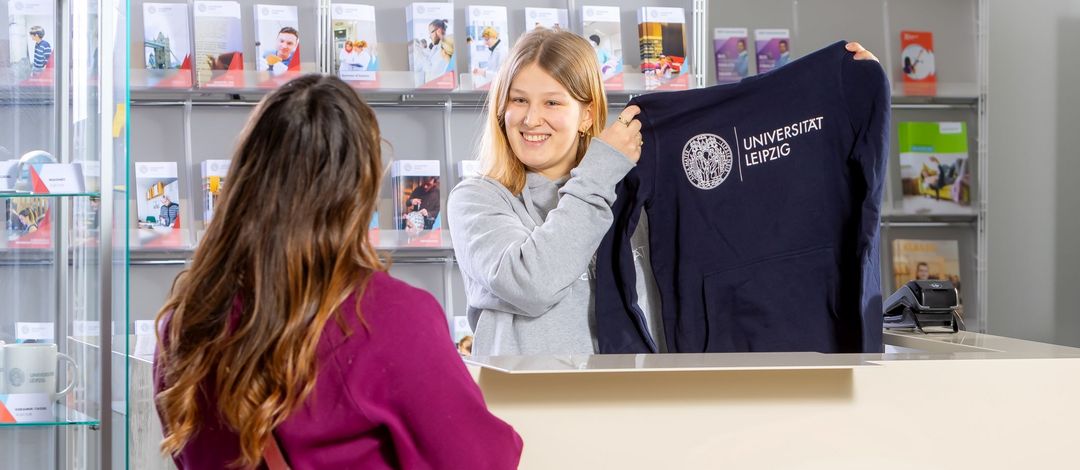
(927, 306)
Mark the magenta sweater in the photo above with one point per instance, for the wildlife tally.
(394, 395)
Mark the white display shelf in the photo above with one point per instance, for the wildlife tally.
(21, 195)
(947, 93)
(160, 240)
(901, 219)
(401, 240)
(64, 417)
(466, 97)
(176, 247)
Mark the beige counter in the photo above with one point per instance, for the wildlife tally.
(959, 401)
(942, 401)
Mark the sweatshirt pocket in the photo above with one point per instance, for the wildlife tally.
(781, 303)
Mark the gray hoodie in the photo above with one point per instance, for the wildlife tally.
(526, 259)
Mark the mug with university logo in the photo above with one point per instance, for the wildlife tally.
(31, 368)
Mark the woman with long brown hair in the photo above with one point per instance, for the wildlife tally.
(286, 328)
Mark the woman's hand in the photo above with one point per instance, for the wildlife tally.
(625, 134)
(860, 52)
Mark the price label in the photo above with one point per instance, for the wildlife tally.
(35, 331)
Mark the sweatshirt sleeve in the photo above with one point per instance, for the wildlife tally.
(620, 323)
(426, 399)
(532, 269)
(867, 94)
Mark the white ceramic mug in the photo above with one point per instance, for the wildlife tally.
(31, 368)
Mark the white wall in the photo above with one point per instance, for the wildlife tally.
(1034, 170)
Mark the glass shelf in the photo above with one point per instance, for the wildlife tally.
(394, 85)
(435, 242)
(252, 88)
(947, 93)
(428, 241)
(899, 219)
(899, 215)
(50, 195)
(26, 256)
(74, 418)
(158, 239)
(958, 96)
(26, 95)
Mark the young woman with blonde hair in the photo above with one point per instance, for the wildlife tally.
(526, 232)
(287, 330)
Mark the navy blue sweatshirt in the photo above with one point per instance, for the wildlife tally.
(764, 201)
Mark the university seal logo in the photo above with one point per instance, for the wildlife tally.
(16, 377)
(707, 159)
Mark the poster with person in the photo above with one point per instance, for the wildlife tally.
(356, 45)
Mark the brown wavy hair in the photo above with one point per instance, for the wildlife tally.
(568, 58)
(287, 246)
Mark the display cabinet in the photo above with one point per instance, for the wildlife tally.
(63, 271)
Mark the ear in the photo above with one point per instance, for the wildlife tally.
(586, 118)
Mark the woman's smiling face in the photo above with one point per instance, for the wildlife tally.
(542, 122)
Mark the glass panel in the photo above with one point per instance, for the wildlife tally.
(118, 240)
(50, 244)
(27, 75)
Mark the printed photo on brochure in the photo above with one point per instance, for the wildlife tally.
(417, 208)
(732, 54)
(213, 182)
(602, 27)
(356, 44)
(662, 41)
(219, 44)
(420, 203)
(157, 202)
(431, 44)
(917, 63)
(277, 44)
(935, 174)
(167, 45)
(925, 260)
(32, 41)
(487, 39)
(27, 223)
(773, 48)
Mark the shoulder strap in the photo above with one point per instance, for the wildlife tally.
(272, 454)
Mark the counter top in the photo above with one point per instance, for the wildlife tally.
(990, 346)
(900, 346)
(667, 362)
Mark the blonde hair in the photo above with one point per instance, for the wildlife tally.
(447, 46)
(571, 60)
(489, 32)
